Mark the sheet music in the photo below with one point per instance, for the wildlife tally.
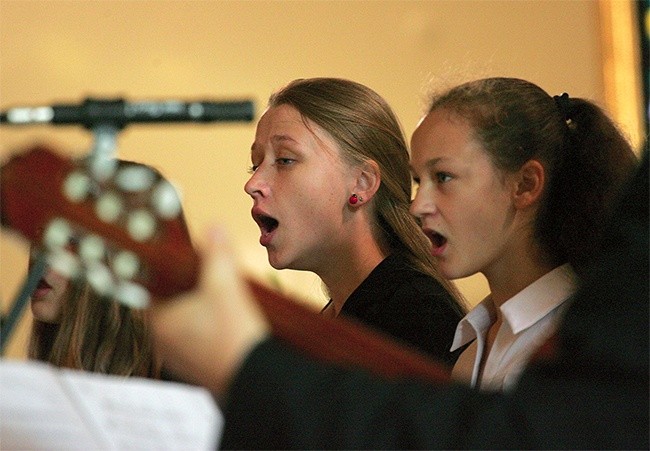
(35, 412)
(47, 408)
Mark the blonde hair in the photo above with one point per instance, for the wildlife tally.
(366, 128)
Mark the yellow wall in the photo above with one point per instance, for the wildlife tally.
(54, 51)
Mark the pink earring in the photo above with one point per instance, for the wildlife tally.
(354, 199)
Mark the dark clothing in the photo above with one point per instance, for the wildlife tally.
(588, 389)
(407, 305)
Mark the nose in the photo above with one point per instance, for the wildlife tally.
(423, 204)
(256, 186)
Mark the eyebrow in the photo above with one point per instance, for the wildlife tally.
(280, 138)
(434, 161)
(430, 163)
(277, 139)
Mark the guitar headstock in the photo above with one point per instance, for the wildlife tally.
(117, 224)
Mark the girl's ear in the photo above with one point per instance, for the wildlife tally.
(368, 180)
(530, 181)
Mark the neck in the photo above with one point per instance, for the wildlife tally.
(350, 271)
(519, 271)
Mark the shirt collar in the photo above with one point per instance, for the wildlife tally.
(474, 324)
(539, 298)
(522, 310)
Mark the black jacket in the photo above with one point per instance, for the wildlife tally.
(407, 305)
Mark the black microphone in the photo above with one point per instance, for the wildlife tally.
(119, 113)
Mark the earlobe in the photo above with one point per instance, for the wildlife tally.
(368, 180)
(530, 184)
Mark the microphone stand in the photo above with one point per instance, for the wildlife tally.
(9, 322)
(106, 118)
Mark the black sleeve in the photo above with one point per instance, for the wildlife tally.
(281, 400)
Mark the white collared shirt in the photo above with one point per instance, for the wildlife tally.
(529, 318)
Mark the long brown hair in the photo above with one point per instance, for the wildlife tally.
(366, 128)
(96, 334)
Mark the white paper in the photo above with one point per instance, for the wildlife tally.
(46, 408)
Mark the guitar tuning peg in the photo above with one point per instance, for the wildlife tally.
(102, 168)
(165, 200)
(64, 263)
(92, 248)
(109, 207)
(57, 234)
(132, 295)
(125, 264)
(99, 277)
(141, 225)
(135, 178)
(76, 186)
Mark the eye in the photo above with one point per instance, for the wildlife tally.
(284, 161)
(443, 177)
(252, 168)
(416, 181)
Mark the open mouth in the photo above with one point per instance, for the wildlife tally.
(437, 240)
(41, 290)
(266, 223)
(42, 284)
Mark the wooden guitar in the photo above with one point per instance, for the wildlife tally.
(132, 216)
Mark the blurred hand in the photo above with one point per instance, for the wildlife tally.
(205, 335)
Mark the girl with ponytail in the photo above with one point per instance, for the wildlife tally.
(517, 185)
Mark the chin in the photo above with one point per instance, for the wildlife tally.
(44, 317)
(277, 264)
(450, 273)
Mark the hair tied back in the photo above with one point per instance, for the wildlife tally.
(562, 103)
